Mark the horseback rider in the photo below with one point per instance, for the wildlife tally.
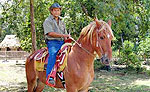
(55, 34)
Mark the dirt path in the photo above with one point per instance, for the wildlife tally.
(12, 77)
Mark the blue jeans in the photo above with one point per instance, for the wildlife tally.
(53, 48)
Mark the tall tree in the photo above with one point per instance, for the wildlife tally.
(130, 18)
(34, 47)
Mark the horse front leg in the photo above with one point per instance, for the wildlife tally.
(71, 88)
(84, 90)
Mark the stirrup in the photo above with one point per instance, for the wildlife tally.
(50, 81)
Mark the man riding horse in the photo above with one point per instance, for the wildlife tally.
(55, 34)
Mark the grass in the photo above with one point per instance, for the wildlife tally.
(12, 79)
(116, 81)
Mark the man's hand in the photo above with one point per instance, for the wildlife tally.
(66, 36)
(68, 39)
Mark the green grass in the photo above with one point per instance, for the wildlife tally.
(116, 81)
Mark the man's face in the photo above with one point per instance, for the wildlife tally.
(56, 12)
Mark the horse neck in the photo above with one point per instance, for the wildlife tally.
(83, 57)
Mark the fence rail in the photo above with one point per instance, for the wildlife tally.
(11, 55)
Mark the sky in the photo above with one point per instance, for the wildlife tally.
(1, 2)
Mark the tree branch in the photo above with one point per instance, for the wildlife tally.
(84, 9)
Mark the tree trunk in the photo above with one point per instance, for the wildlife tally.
(34, 47)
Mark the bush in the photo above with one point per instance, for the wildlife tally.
(128, 56)
(144, 48)
(148, 72)
(97, 64)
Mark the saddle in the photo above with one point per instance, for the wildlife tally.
(41, 60)
(41, 57)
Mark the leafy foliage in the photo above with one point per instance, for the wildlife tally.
(130, 18)
(144, 47)
(128, 56)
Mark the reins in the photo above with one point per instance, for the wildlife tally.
(97, 43)
(82, 47)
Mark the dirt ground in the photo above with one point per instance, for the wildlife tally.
(13, 79)
(12, 76)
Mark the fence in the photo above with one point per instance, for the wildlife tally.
(13, 55)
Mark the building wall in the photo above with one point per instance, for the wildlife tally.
(3, 49)
(13, 49)
(8, 49)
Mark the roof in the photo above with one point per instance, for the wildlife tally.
(10, 41)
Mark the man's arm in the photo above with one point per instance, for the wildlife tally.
(56, 35)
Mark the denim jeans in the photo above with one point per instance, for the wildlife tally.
(53, 48)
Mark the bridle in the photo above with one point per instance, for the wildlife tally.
(97, 45)
(99, 38)
(97, 42)
(82, 47)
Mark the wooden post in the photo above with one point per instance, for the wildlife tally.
(34, 47)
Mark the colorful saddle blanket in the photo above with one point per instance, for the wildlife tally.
(41, 59)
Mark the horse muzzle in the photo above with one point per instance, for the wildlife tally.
(105, 60)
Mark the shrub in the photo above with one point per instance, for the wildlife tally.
(128, 56)
(148, 72)
(144, 48)
(97, 64)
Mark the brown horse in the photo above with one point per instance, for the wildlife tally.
(94, 39)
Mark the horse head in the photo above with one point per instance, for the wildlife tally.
(99, 35)
(103, 37)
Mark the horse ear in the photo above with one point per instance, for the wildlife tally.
(97, 22)
(109, 23)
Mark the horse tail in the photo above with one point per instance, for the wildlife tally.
(30, 73)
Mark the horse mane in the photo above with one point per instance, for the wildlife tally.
(89, 29)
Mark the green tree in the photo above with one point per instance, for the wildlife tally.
(130, 18)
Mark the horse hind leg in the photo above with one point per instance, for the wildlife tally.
(32, 86)
(40, 86)
(30, 75)
(36, 86)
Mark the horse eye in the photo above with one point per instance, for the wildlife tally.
(101, 38)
